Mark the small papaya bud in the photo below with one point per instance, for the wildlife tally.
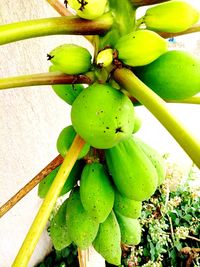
(70, 59)
(105, 57)
(140, 48)
(89, 9)
(172, 16)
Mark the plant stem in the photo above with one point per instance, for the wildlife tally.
(53, 26)
(48, 78)
(61, 9)
(30, 185)
(191, 100)
(44, 212)
(193, 29)
(157, 106)
(146, 2)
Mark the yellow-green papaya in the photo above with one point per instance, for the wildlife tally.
(138, 124)
(133, 173)
(90, 9)
(127, 207)
(156, 159)
(65, 140)
(102, 116)
(82, 227)
(74, 176)
(70, 59)
(174, 75)
(140, 47)
(108, 240)
(130, 230)
(172, 16)
(96, 191)
(59, 231)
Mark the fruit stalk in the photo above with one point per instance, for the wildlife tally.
(60, 8)
(193, 29)
(30, 185)
(54, 26)
(191, 100)
(48, 78)
(157, 106)
(43, 214)
(146, 2)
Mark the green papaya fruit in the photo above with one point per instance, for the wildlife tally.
(67, 92)
(174, 75)
(96, 191)
(130, 230)
(172, 16)
(108, 240)
(59, 231)
(138, 124)
(156, 159)
(74, 176)
(90, 9)
(70, 59)
(102, 116)
(140, 47)
(82, 227)
(133, 173)
(65, 140)
(127, 207)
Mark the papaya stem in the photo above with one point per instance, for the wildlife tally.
(48, 78)
(157, 106)
(44, 212)
(54, 26)
(61, 9)
(191, 100)
(30, 185)
(193, 29)
(138, 3)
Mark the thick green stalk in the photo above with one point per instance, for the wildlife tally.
(191, 100)
(44, 212)
(48, 78)
(159, 109)
(53, 26)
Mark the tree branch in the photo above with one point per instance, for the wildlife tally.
(61, 9)
(54, 26)
(138, 3)
(48, 78)
(44, 212)
(30, 185)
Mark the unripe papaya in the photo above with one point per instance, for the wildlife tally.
(96, 191)
(65, 140)
(73, 177)
(156, 159)
(130, 230)
(172, 16)
(89, 9)
(67, 92)
(108, 240)
(133, 173)
(140, 47)
(82, 227)
(102, 116)
(59, 231)
(71, 59)
(174, 75)
(127, 207)
(137, 124)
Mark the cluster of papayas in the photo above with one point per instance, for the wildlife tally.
(105, 201)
